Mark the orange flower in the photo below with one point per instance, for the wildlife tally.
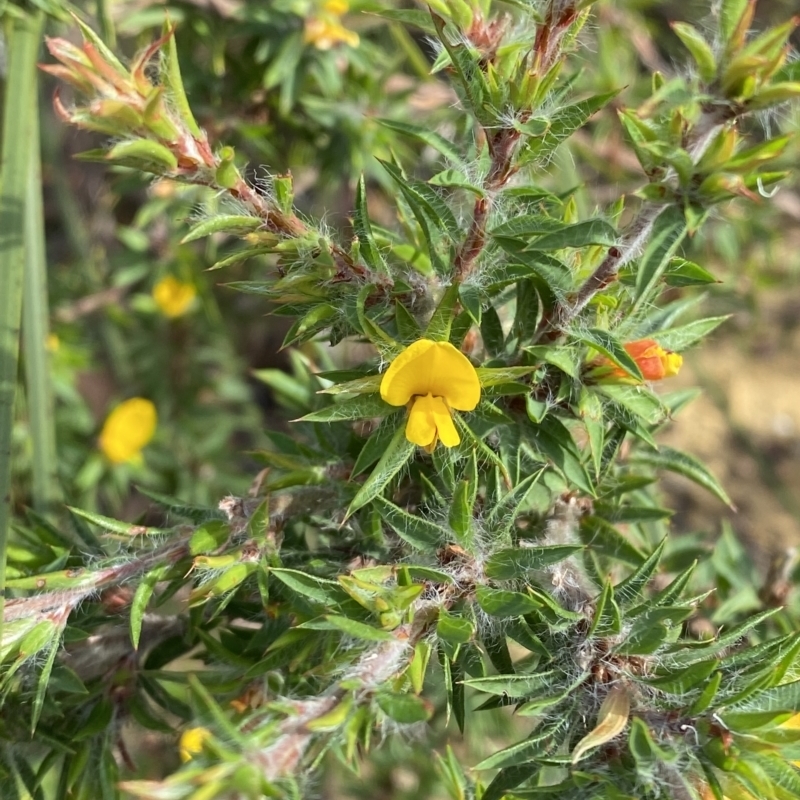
(653, 360)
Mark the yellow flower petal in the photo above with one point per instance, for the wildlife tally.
(127, 429)
(173, 297)
(337, 7)
(435, 368)
(672, 363)
(326, 33)
(421, 426)
(428, 421)
(191, 742)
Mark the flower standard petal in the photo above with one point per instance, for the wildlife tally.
(421, 425)
(454, 378)
(406, 375)
(437, 368)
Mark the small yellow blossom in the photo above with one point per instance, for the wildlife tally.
(127, 429)
(432, 378)
(325, 30)
(336, 7)
(191, 742)
(52, 343)
(173, 297)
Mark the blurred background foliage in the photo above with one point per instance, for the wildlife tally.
(300, 86)
(260, 80)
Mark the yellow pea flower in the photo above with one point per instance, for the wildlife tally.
(127, 429)
(325, 30)
(173, 297)
(191, 742)
(432, 379)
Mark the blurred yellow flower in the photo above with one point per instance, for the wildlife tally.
(52, 343)
(173, 297)
(326, 30)
(191, 742)
(127, 429)
(432, 378)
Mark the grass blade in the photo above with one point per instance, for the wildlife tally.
(20, 107)
(35, 328)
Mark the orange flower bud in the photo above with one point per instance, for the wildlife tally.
(652, 359)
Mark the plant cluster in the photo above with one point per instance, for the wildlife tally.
(465, 519)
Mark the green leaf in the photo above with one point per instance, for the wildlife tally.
(638, 400)
(434, 140)
(366, 406)
(527, 225)
(681, 272)
(579, 234)
(554, 440)
(366, 384)
(469, 75)
(685, 336)
(226, 223)
(461, 514)
(141, 599)
(686, 465)
(680, 682)
(196, 514)
(563, 123)
(115, 526)
(359, 630)
(43, 680)
(470, 297)
(504, 513)
(503, 604)
(630, 590)
(514, 562)
(600, 536)
(653, 628)
(373, 449)
(509, 778)
(438, 329)
(591, 412)
(699, 48)
(404, 708)
(607, 617)
(666, 236)
(542, 741)
(612, 348)
(514, 685)
(171, 76)
(454, 629)
(321, 590)
(417, 531)
(456, 179)
(144, 154)
(361, 225)
(492, 332)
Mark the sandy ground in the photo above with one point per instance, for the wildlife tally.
(746, 427)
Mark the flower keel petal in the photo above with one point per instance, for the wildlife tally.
(421, 425)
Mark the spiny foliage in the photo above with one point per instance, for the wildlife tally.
(525, 568)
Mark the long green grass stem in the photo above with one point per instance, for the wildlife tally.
(35, 329)
(15, 162)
